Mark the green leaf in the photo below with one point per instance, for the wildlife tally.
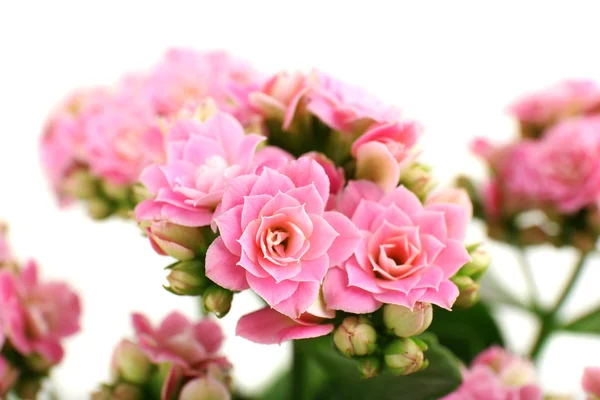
(588, 323)
(466, 332)
(440, 378)
(282, 388)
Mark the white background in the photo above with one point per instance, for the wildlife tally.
(452, 65)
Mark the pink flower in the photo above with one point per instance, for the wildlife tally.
(562, 100)
(37, 316)
(408, 253)
(346, 108)
(115, 138)
(569, 164)
(591, 382)
(497, 375)
(193, 347)
(268, 326)
(5, 251)
(454, 196)
(276, 237)
(280, 96)
(335, 174)
(8, 376)
(382, 151)
(188, 76)
(201, 159)
(271, 157)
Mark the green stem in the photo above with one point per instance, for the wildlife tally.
(548, 322)
(299, 371)
(532, 288)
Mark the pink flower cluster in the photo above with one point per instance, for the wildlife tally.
(303, 233)
(195, 368)
(35, 319)
(113, 133)
(497, 375)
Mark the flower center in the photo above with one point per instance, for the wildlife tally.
(277, 240)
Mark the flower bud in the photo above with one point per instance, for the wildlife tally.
(130, 363)
(99, 208)
(355, 337)
(206, 388)
(403, 356)
(404, 322)
(118, 193)
(369, 366)
(458, 196)
(180, 242)
(81, 185)
(187, 278)
(419, 180)
(469, 291)
(217, 300)
(480, 261)
(121, 391)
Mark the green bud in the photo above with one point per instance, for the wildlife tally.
(356, 336)
(130, 363)
(404, 322)
(99, 208)
(125, 391)
(369, 366)
(480, 261)
(403, 357)
(217, 300)
(180, 242)
(187, 278)
(28, 388)
(81, 185)
(118, 193)
(419, 180)
(205, 388)
(469, 291)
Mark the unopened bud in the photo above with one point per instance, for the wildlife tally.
(82, 185)
(458, 196)
(465, 183)
(480, 261)
(121, 391)
(403, 356)
(369, 366)
(419, 180)
(404, 322)
(99, 208)
(217, 300)
(140, 193)
(180, 242)
(469, 291)
(118, 193)
(187, 278)
(206, 388)
(355, 337)
(130, 363)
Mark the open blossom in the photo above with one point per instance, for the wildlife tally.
(192, 347)
(187, 76)
(591, 382)
(569, 164)
(37, 316)
(383, 150)
(115, 139)
(201, 158)
(268, 326)
(565, 99)
(497, 375)
(407, 254)
(276, 237)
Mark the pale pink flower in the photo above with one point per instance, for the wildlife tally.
(115, 139)
(408, 253)
(193, 347)
(189, 76)
(276, 237)
(268, 326)
(590, 382)
(37, 316)
(383, 150)
(201, 158)
(568, 162)
(565, 99)
(455, 196)
(497, 375)
(346, 108)
(8, 376)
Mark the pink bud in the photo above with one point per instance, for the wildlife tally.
(130, 363)
(454, 196)
(206, 388)
(181, 242)
(356, 336)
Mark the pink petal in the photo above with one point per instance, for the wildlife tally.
(356, 191)
(222, 268)
(309, 197)
(452, 258)
(252, 267)
(210, 334)
(339, 296)
(457, 219)
(229, 228)
(278, 272)
(366, 213)
(374, 162)
(323, 235)
(313, 270)
(271, 182)
(246, 149)
(271, 291)
(433, 223)
(50, 350)
(359, 278)
(405, 200)
(148, 210)
(173, 324)
(346, 242)
(153, 178)
(236, 190)
(304, 297)
(141, 325)
(180, 216)
(444, 296)
(276, 203)
(407, 300)
(306, 171)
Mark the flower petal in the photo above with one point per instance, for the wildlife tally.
(222, 268)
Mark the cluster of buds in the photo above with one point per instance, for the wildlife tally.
(391, 345)
(545, 187)
(467, 278)
(156, 366)
(35, 319)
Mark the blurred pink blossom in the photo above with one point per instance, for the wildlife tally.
(590, 382)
